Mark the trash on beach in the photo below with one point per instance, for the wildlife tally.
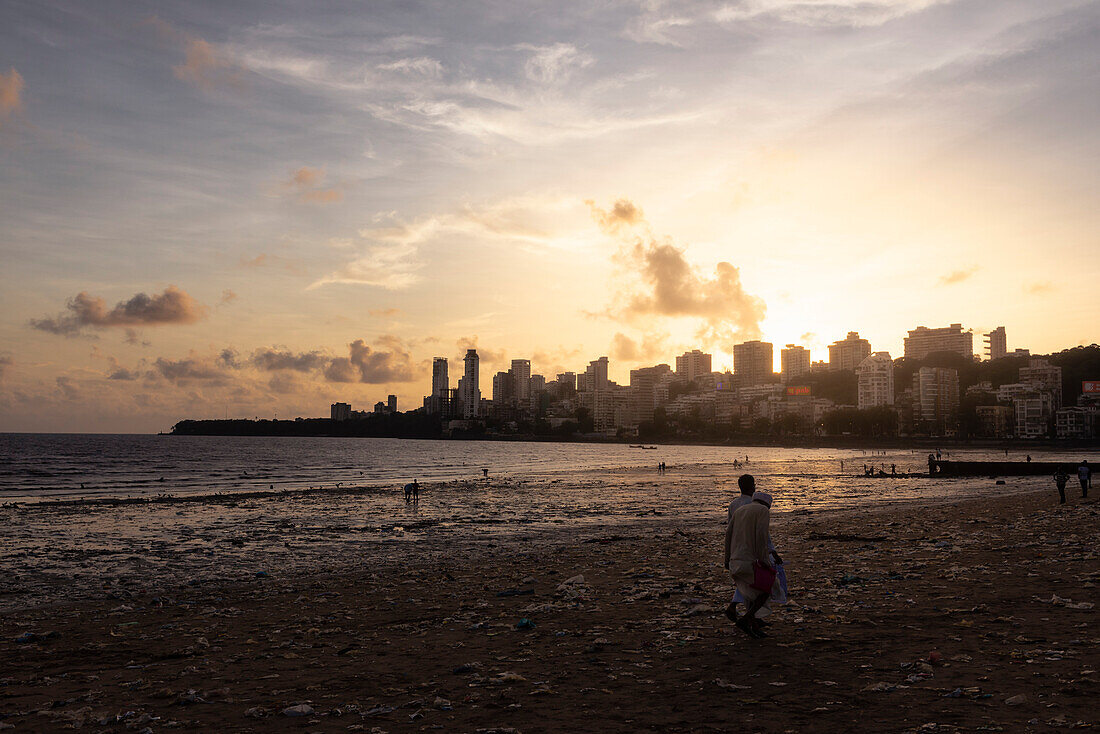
(302, 709)
(525, 624)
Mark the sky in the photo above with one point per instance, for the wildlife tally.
(252, 209)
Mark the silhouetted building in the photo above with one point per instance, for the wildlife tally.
(391, 403)
(469, 388)
(504, 387)
(1041, 375)
(994, 421)
(438, 402)
(794, 362)
(847, 353)
(379, 407)
(923, 341)
(1034, 414)
(752, 362)
(567, 381)
(936, 401)
(521, 378)
(340, 412)
(1077, 422)
(647, 384)
(996, 343)
(875, 384)
(691, 364)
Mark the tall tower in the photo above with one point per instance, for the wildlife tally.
(795, 361)
(470, 389)
(521, 375)
(440, 381)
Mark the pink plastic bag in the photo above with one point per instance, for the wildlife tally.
(763, 576)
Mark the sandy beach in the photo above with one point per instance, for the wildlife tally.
(969, 615)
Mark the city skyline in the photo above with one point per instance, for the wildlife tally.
(211, 208)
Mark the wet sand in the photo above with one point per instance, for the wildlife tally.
(970, 615)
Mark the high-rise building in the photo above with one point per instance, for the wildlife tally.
(923, 341)
(936, 400)
(521, 375)
(469, 388)
(537, 386)
(752, 362)
(391, 403)
(1042, 376)
(596, 375)
(795, 362)
(847, 353)
(692, 364)
(504, 387)
(1034, 414)
(440, 381)
(567, 381)
(996, 343)
(340, 411)
(875, 376)
(645, 390)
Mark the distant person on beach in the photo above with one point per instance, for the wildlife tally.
(931, 464)
(1084, 476)
(749, 560)
(412, 491)
(1029, 458)
(1060, 479)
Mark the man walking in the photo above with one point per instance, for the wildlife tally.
(1084, 476)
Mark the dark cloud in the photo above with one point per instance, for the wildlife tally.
(275, 359)
(230, 358)
(389, 361)
(187, 369)
(958, 276)
(133, 336)
(68, 389)
(121, 373)
(173, 306)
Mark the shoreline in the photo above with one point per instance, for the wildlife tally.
(432, 636)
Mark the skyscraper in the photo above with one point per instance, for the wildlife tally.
(795, 362)
(692, 364)
(996, 343)
(645, 387)
(847, 353)
(440, 381)
(752, 362)
(521, 375)
(875, 381)
(596, 375)
(469, 389)
(923, 341)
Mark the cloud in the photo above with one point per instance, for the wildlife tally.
(133, 336)
(391, 266)
(625, 349)
(622, 214)
(305, 184)
(5, 365)
(666, 284)
(11, 94)
(173, 306)
(121, 373)
(418, 66)
(228, 297)
(189, 368)
(392, 363)
(809, 336)
(958, 276)
(230, 358)
(68, 389)
(555, 63)
(208, 67)
(384, 312)
(270, 359)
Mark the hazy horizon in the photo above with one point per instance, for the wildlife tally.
(208, 207)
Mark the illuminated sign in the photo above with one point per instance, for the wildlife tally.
(803, 390)
(1091, 387)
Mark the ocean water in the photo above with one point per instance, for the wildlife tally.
(38, 467)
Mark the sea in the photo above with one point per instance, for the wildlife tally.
(45, 467)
